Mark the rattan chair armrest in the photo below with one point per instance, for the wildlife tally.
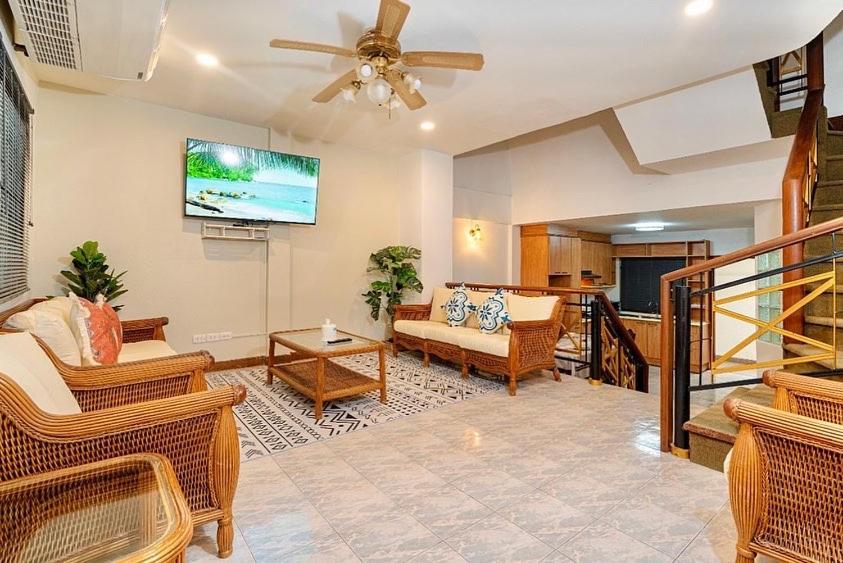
(816, 387)
(144, 329)
(116, 420)
(412, 312)
(793, 425)
(520, 326)
(135, 372)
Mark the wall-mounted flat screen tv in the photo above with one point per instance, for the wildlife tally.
(244, 184)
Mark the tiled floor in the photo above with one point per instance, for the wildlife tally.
(562, 472)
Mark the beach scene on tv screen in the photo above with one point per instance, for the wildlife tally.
(242, 183)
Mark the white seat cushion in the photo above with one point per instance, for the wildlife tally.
(494, 344)
(144, 350)
(50, 328)
(413, 328)
(523, 308)
(448, 334)
(23, 360)
(440, 297)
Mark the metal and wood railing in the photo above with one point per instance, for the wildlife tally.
(677, 297)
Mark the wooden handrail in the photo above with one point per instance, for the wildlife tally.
(666, 365)
(611, 312)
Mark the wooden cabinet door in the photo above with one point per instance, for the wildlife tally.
(560, 255)
(654, 340)
(597, 257)
(534, 260)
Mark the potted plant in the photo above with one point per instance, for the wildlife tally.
(398, 274)
(91, 276)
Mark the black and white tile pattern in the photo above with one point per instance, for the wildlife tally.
(275, 418)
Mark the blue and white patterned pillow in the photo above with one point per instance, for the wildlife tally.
(492, 314)
(458, 307)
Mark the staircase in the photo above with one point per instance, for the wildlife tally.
(710, 433)
(828, 204)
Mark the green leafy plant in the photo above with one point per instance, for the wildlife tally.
(399, 275)
(91, 275)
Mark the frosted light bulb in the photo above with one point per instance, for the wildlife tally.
(349, 94)
(412, 82)
(379, 90)
(365, 72)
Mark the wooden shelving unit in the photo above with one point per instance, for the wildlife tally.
(702, 331)
(557, 256)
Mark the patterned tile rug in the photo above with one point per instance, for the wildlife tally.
(275, 418)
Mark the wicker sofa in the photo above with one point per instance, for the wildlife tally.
(526, 344)
(143, 339)
(53, 419)
(785, 470)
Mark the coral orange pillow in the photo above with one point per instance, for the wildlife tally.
(97, 330)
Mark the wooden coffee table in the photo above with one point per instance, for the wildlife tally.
(309, 370)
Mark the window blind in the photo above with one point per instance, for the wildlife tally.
(15, 197)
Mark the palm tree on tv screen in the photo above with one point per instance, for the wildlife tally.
(206, 159)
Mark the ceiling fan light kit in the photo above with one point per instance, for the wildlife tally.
(380, 62)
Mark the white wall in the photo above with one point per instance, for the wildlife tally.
(833, 67)
(694, 120)
(426, 215)
(482, 197)
(111, 169)
(585, 168)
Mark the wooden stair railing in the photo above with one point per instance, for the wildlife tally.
(667, 313)
(800, 176)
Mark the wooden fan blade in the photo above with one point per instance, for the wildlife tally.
(318, 47)
(443, 59)
(391, 18)
(334, 87)
(411, 100)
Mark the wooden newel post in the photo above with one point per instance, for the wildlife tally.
(794, 216)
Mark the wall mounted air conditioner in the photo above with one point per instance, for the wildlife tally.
(114, 38)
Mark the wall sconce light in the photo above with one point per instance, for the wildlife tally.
(475, 233)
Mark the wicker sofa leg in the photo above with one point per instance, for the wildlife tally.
(394, 345)
(227, 470)
(513, 383)
(556, 375)
(426, 359)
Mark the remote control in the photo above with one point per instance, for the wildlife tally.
(339, 341)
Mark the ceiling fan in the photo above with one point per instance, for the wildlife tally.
(380, 60)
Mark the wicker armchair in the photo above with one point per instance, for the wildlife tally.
(100, 387)
(194, 431)
(809, 396)
(784, 485)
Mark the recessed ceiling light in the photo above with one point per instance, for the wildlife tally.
(427, 126)
(698, 7)
(648, 227)
(207, 59)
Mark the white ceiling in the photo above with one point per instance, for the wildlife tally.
(547, 61)
(733, 215)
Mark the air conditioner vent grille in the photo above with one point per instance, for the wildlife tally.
(51, 25)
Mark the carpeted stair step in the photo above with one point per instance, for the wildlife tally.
(826, 212)
(784, 123)
(824, 267)
(834, 167)
(712, 433)
(822, 246)
(829, 192)
(835, 142)
(824, 321)
(808, 350)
